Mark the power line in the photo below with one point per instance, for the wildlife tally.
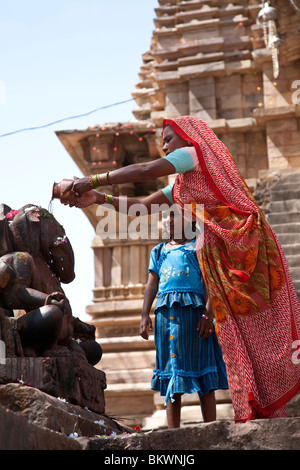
(25, 129)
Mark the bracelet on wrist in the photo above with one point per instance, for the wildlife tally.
(108, 199)
(206, 317)
(94, 180)
(99, 180)
(106, 178)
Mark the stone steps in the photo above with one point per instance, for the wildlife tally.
(289, 228)
(129, 376)
(128, 359)
(293, 260)
(284, 218)
(276, 218)
(125, 343)
(288, 239)
(291, 249)
(287, 191)
(287, 205)
(128, 395)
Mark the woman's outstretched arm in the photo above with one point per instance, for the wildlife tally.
(137, 173)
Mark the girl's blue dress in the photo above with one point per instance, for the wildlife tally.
(184, 362)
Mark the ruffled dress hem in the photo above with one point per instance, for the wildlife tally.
(182, 382)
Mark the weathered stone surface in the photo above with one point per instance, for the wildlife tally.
(16, 433)
(277, 434)
(67, 377)
(36, 420)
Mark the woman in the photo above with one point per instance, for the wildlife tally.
(248, 282)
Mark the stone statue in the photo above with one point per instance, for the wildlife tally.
(35, 315)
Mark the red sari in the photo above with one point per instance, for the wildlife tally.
(255, 304)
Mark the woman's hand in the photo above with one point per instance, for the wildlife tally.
(79, 186)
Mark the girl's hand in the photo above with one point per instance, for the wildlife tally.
(205, 328)
(145, 325)
(87, 199)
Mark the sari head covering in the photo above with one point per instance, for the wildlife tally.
(255, 304)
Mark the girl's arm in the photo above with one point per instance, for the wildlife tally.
(205, 325)
(153, 203)
(149, 296)
(208, 305)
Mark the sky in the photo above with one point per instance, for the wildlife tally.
(61, 59)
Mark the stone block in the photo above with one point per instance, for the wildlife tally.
(17, 434)
(294, 160)
(195, 33)
(176, 100)
(129, 400)
(280, 125)
(32, 420)
(52, 413)
(117, 326)
(67, 377)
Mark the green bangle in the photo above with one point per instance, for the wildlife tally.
(109, 199)
(95, 182)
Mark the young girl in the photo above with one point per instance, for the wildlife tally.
(188, 355)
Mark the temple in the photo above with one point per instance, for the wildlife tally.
(236, 66)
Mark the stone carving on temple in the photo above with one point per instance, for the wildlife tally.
(42, 343)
